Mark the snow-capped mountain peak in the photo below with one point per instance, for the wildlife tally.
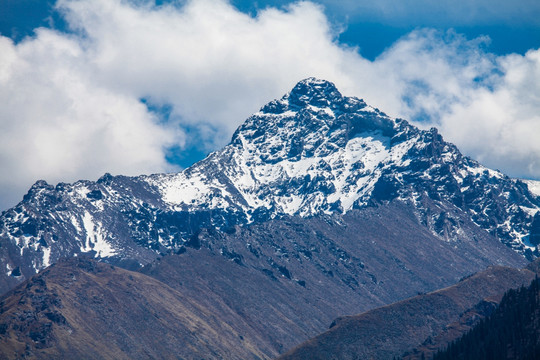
(315, 151)
(309, 92)
(312, 152)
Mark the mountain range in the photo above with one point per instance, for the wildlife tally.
(320, 206)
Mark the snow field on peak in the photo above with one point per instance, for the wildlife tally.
(534, 186)
(198, 191)
(352, 172)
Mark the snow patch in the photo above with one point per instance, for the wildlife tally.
(96, 237)
(534, 186)
(46, 257)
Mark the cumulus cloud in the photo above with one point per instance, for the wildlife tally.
(58, 124)
(71, 103)
(501, 126)
(207, 59)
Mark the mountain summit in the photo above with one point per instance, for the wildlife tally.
(316, 152)
(312, 153)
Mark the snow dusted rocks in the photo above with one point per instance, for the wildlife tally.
(314, 152)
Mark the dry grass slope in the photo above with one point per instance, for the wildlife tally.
(83, 309)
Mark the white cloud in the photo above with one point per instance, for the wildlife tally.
(57, 124)
(501, 127)
(212, 62)
(70, 104)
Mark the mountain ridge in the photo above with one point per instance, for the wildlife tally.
(314, 152)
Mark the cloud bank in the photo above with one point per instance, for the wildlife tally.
(71, 103)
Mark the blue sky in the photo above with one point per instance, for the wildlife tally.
(370, 25)
(369, 28)
(131, 87)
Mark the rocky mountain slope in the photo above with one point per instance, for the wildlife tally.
(285, 280)
(391, 331)
(83, 309)
(313, 152)
(215, 309)
(290, 278)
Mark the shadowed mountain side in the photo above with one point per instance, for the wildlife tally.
(273, 308)
(467, 320)
(380, 254)
(512, 331)
(391, 330)
(288, 279)
(81, 309)
(251, 292)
